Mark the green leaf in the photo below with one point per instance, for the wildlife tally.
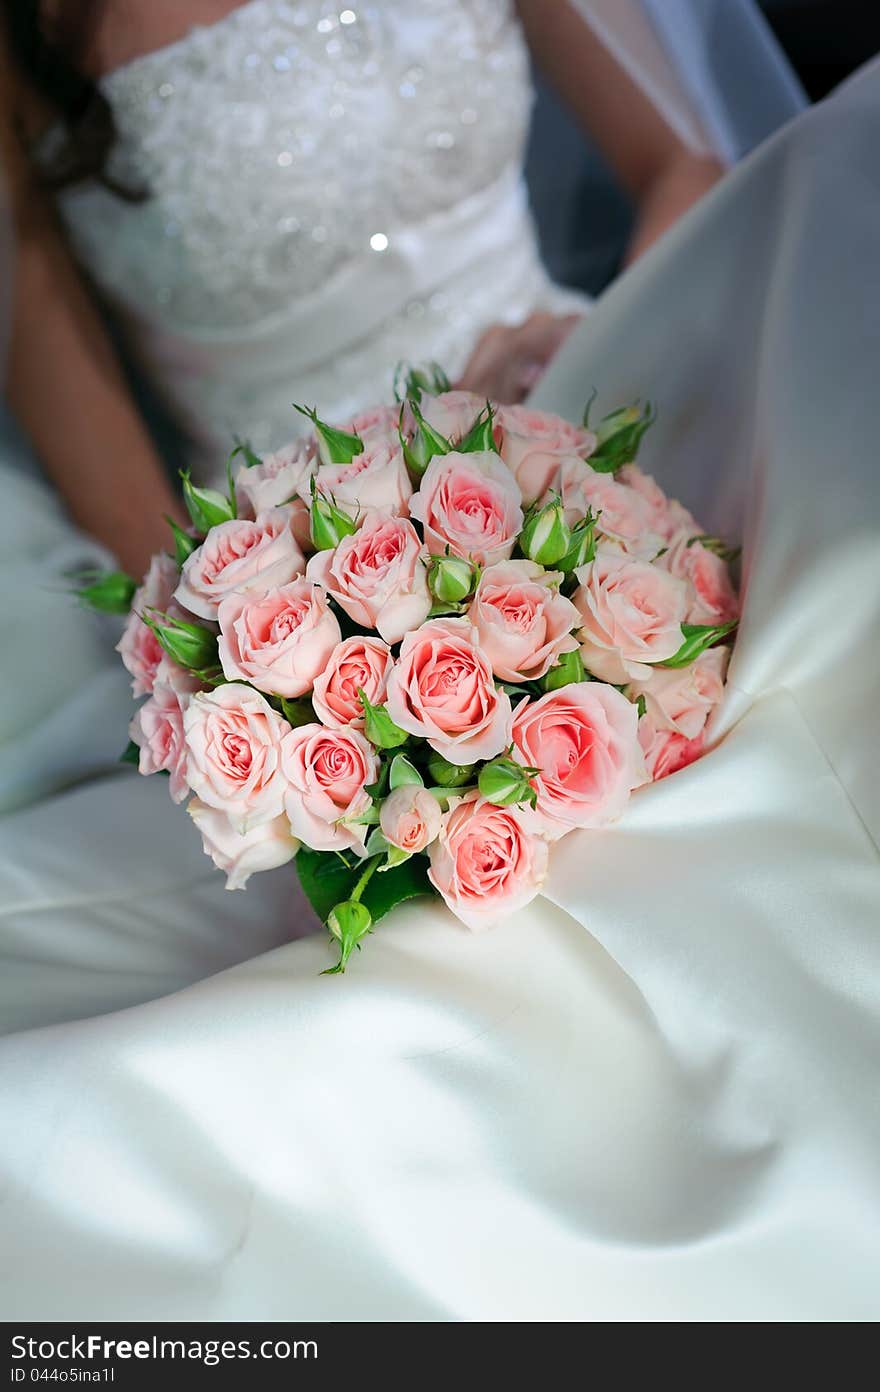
(697, 638)
(131, 755)
(620, 435)
(108, 591)
(480, 437)
(379, 728)
(328, 879)
(588, 408)
(568, 670)
(334, 446)
(297, 713)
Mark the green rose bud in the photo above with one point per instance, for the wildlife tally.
(619, 435)
(206, 506)
(545, 538)
(505, 782)
(481, 435)
(189, 644)
(334, 446)
(448, 775)
(108, 591)
(379, 728)
(568, 669)
(451, 579)
(348, 922)
(328, 524)
(410, 381)
(425, 443)
(583, 545)
(184, 544)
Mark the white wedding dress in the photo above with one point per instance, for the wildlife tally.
(651, 1094)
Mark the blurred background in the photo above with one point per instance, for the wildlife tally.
(571, 188)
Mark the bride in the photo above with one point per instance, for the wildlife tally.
(284, 198)
(649, 1096)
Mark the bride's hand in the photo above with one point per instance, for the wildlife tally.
(507, 362)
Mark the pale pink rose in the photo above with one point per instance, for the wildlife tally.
(157, 730)
(682, 698)
(451, 414)
(712, 596)
(240, 557)
(357, 664)
(278, 641)
(140, 649)
(534, 444)
(669, 516)
(666, 751)
(242, 853)
(442, 690)
(631, 612)
(584, 739)
(377, 575)
(377, 423)
(469, 503)
(488, 861)
(277, 480)
(523, 623)
(327, 772)
(233, 740)
(410, 818)
(377, 478)
(626, 517)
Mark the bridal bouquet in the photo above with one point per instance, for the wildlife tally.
(414, 651)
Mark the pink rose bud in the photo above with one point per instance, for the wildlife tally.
(631, 612)
(277, 479)
(623, 515)
(139, 647)
(157, 730)
(409, 818)
(682, 699)
(327, 773)
(713, 599)
(534, 444)
(666, 751)
(240, 557)
(378, 575)
(357, 664)
(524, 624)
(233, 739)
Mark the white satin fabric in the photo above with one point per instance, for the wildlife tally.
(650, 1096)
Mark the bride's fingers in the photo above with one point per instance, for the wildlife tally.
(508, 361)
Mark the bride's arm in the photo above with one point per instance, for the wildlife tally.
(659, 172)
(65, 387)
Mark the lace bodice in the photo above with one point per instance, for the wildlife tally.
(294, 153)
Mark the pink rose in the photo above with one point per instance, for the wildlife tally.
(534, 444)
(240, 557)
(682, 698)
(157, 730)
(632, 612)
(233, 739)
(242, 853)
(357, 664)
(410, 818)
(584, 739)
(626, 517)
(279, 641)
(666, 751)
(442, 690)
(488, 861)
(377, 423)
(451, 414)
(523, 623)
(377, 478)
(377, 575)
(140, 649)
(469, 503)
(669, 515)
(712, 596)
(327, 772)
(278, 480)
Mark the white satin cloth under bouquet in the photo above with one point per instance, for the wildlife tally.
(503, 627)
(652, 1093)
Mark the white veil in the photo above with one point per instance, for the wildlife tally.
(711, 67)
